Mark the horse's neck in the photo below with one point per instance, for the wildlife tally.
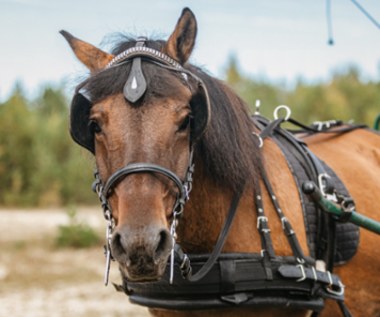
(207, 209)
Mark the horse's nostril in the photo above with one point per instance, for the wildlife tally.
(164, 243)
(117, 244)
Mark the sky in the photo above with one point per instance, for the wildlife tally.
(278, 40)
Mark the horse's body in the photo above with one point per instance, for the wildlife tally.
(355, 157)
(227, 157)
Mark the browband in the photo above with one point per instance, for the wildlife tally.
(138, 51)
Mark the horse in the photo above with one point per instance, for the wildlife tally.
(159, 127)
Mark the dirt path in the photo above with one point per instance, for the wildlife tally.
(38, 280)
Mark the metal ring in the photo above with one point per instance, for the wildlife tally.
(340, 292)
(278, 108)
(261, 142)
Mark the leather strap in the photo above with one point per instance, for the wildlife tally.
(300, 272)
(212, 259)
(141, 168)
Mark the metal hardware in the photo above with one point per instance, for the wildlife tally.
(329, 287)
(288, 112)
(303, 277)
(173, 234)
(340, 292)
(261, 219)
(261, 142)
(257, 105)
(283, 220)
(314, 273)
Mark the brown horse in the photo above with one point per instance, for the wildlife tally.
(156, 117)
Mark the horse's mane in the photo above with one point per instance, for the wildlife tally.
(228, 149)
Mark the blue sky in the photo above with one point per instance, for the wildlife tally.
(277, 40)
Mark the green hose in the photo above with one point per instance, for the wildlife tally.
(312, 190)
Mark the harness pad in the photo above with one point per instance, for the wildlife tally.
(347, 234)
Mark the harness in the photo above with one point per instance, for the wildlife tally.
(254, 280)
(218, 280)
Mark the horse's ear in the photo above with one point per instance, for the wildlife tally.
(181, 42)
(92, 57)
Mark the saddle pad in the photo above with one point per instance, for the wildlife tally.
(347, 234)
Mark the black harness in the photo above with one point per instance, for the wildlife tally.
(251, 280)
(216, 280)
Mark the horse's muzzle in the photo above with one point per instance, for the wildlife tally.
(142, 253)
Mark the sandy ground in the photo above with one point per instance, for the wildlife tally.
(38, 280)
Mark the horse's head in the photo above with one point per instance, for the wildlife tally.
(141, 109)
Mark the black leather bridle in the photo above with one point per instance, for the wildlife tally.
(134, 89)
(105, 191)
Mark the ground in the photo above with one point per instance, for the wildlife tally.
(38, 279)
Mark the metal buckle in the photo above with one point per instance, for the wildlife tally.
(303, 277)
(329, 289)
(261, 219)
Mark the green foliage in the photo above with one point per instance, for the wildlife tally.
(41, 166)
(39, 163)
(76, 234)
(346, 96)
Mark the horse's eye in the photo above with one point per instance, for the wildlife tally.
(94, 126)
(184, 124)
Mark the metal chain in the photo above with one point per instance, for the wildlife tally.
(97, 187)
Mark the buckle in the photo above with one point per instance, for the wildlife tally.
(303, 277)
(261, 219)
(330, 290)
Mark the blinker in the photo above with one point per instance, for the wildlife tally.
(135, 85)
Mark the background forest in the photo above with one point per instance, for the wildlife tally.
(41, 166)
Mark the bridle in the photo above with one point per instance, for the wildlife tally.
(134, 88)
